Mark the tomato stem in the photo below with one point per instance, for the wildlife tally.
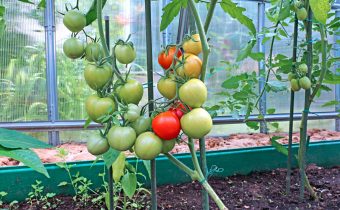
(103, 40)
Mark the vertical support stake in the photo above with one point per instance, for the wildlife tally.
(337, 65)
(51, 71)
(261, 64)
(150, 93)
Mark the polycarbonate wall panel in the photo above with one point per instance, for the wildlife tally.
(22, 64)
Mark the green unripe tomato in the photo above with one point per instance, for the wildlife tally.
(291, 76)
(125, 52)
(168, 145)
(193, 93)
(305, 83)
(93, 51)
(73, 48)
(74, 20)
(130, 92)
(197, 123)
(167, 87)
(303, 68)
(97, 76)
(132, 113)
(97, 146)
(121, 138)
(297, 5)
(301, 13)
(294, 85)
(148, 146)
(97, 107)
(142, 124)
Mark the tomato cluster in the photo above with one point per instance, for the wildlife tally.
(300, 10)
(184, 91)
(299, 79)
(116, 100)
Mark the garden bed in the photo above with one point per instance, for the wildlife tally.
(259, 190)
(78, 151)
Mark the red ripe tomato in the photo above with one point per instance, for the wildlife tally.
(166, 56)
(179, 109)
(166, 125)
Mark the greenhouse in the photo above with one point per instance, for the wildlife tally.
(169, 104)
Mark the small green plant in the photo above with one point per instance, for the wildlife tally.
(37, 197)
(2, 195)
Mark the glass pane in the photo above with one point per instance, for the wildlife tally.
(22, 64)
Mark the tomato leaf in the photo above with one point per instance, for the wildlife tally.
(42, 4)
(271, 111)
(237, 12)
(253, 125)
(26, 1)
(13, 140)
(147, 165)
(233, 82)
(170, 11)
(110, 156)
(118, 167)
(320, 9)
(129, 184)
(331, 103)
(279, 147)
(91, 14)
(246, 50)
(27, 157)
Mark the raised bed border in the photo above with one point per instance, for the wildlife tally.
(17, 180)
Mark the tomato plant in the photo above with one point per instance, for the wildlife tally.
(148, 146)
(167, 87)
(141, 124)
(132, 113)
(196, 123)
(168, 145)
(74, 20)
(192, 44)
(166, 125)
(93, 52)
(73, 48)
(97, 76)
(193, 93)
(166, 57)
(124, 52)
(130, 92)
(121, 138)
(189, 66)
(97, 107)
(97, 146)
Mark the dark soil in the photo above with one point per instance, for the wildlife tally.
(259, 190)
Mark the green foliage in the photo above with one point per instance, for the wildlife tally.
(129, 184)
(91, 14)
(110, 156)
(279, 147)
(2, 20)
(16, 140)
(170, 11)
(17, 146)
(37, 198)
(320, 9)
(236, 12)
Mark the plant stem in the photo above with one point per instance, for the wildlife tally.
(303, 127)
(291, 112)
(183, 167)
(102, 37)
(202, 178)
(205, 46)
(209, 15)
